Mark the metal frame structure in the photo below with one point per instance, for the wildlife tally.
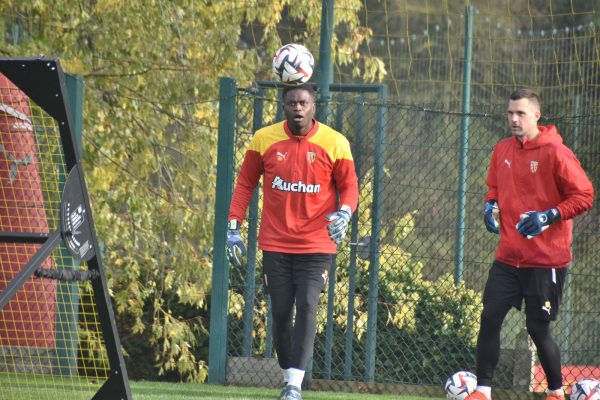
(43, 80)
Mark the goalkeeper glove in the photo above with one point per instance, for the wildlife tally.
(338, 225)
(533, 223)
(235, 245)
(491, 207)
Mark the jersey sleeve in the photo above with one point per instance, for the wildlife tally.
(250, 172)
(344, 173)
(576, 189)
(492, 180)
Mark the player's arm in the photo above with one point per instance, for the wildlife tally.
(344, 174)
(577, 193)
(250, 172)
(491, 208)
(492, 179)
(576, 189)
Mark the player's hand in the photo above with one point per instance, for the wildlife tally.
(491, 208)
(533, 223)
(235, 246)
(338, 225)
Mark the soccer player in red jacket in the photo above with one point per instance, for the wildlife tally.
(304, 165)
(536, 186)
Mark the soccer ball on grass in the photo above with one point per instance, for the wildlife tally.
(586, 389)
(460, 385)
(293, 64)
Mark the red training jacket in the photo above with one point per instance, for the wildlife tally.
(301, 177)
(536, 176)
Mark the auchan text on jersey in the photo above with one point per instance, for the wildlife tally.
(296, 187)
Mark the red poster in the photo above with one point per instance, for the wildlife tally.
(29, 318)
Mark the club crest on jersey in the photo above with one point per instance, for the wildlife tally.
(311, 156)
(295, 187)
(533, 165)
(281, 156)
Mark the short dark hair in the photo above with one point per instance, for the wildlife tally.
(525, 93)
(307, 87)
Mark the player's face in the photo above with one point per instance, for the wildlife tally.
(299, 108)
(523, 116)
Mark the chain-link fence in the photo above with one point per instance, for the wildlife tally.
(402, 308)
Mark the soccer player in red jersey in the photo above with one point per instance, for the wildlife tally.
(305, 165)
(536, 186)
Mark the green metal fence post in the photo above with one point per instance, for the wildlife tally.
(16, 33)
(464, 148)
(217, 349)
(67, 293)
(371, 345)
(250, 284)
(354, 240)
(269, 327)
(75, 89)
(332, 276)
(565, 345)
(325, 64)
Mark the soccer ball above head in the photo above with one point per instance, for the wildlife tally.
(586, 389)
(293, 64)
(460, 385)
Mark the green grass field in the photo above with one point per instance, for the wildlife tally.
(187, 391)
(39, 387)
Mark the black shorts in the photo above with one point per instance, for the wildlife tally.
(541, 288)
(282, 270)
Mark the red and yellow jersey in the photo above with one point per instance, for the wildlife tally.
(301, 178)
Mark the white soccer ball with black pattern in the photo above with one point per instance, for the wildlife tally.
(293, 64)
(460, 385)
(585, 389)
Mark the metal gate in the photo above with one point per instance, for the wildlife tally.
(403, 303)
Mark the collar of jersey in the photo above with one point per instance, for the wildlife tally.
(310, 133)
